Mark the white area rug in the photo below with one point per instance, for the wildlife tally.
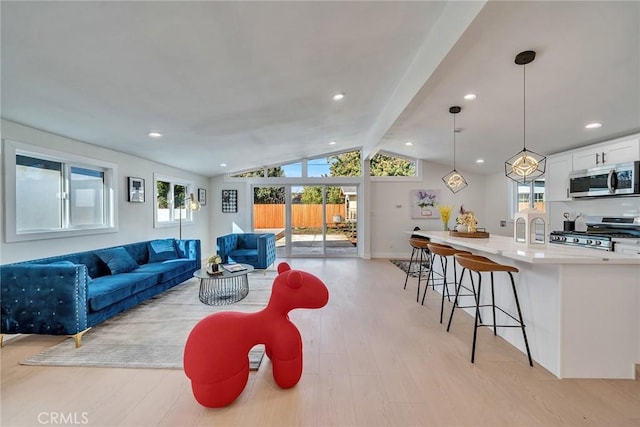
(153, 334)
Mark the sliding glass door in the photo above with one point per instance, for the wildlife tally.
(341, 220)
(269, 213)
(309, 220)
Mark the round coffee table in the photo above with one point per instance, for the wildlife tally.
(225, 287)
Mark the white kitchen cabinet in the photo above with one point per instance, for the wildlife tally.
(559, 166)
(609, 153)
(627, 247)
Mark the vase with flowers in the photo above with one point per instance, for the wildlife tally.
(445, 214)
(466, 221)
(214, 264)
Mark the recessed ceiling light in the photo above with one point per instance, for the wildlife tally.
(224, 165)
(480, 161)
(408, 143)
(594, 125)
(332, 143)
(338, 96)
(470, 96)
(153, 134)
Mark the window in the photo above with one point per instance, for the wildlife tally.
(387, 164)
(249, 174)
(171, 194)
(271, 172)
(39, 188)
(56, 194)
(342, 164)
(318, 167)
(292, 170)
(383, 166)
(87, 186)
(528, 195)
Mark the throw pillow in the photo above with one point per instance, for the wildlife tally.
(162, 250)
(118, 260)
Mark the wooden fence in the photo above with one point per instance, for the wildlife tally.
(302, 215)
(538, 205)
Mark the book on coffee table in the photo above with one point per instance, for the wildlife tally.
(234, 267)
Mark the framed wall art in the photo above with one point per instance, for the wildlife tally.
(136, 190)
(423, 204)
(229, 201)
(202, 196)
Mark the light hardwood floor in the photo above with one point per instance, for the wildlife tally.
(373, 356)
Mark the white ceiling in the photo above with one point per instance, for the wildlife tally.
(250, 83)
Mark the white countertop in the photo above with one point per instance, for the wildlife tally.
(549, 253)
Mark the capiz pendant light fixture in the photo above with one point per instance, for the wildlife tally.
(454, 180)
(527, 165)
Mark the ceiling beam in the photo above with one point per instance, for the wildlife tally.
(453, 22)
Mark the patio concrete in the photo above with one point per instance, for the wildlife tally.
(311, 244)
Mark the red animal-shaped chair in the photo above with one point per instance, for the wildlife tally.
(216, 353)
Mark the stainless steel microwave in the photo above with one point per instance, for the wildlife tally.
(621, 179)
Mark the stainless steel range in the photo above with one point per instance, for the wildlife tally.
(618, 234)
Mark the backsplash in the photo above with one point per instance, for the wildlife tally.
(603, 206)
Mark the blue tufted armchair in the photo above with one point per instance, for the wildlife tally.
(256, 249)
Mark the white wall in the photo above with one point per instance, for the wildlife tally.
(135, 220)
(391, 208)
(496, 201)
(225, 223)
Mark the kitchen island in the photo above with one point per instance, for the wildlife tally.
(581, 306)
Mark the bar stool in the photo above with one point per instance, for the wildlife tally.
(481, 264)
(443, 252)
(421, 253)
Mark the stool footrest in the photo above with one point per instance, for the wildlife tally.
(501, 310)
(501, 326)
(465, 306)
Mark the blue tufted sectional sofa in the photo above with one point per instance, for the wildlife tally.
(256, 249)
(68, 294)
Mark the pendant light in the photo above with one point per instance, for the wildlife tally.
(454, 180)
(527, 165)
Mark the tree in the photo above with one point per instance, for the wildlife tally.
(271, 172)
(334, 195)
(349, 164)
(345, 164)
(267, 195)
(163, 193)
(313, 195)
(385, 165)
